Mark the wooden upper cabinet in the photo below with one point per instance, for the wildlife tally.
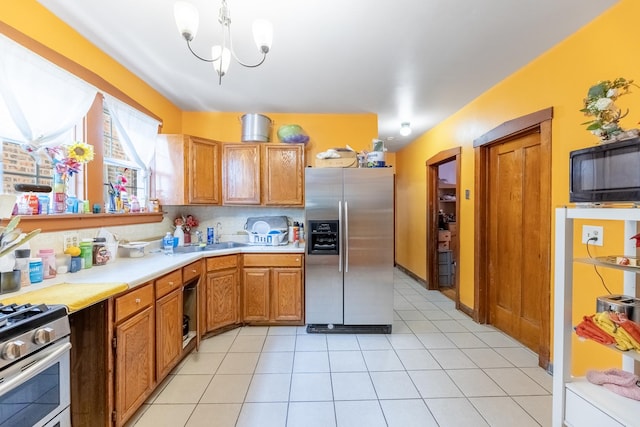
(263, 174)
(241, 174)
(187, 170)
(283, 174)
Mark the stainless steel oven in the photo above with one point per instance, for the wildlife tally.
(35, 368)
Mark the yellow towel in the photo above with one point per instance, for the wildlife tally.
(604, 322)
(74, 296)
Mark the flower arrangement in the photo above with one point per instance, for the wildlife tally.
(68, 160)
(600, 104)
(117, 193)
(119, 187)
(186, 223)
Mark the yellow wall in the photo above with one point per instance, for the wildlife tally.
(324, 130)
(603, 50)
(32, 19)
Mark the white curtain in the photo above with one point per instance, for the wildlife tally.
(137, 131)
(40, 103)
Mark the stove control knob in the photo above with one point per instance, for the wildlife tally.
(44, 336)
(14, 350)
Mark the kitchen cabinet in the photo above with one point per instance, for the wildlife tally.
(187, 170)
(577, 402)
(273, 289)
(168, 322)
(222, 293)
(134, 347)
(263, 174)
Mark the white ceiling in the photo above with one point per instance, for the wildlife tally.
(404, 60)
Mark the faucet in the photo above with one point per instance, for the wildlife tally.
(218, 232)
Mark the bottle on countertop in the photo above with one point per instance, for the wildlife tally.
(179, 233)
(167, 243)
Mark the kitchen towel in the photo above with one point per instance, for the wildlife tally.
(74, 296)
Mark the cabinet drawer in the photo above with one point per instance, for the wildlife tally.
(222, 262)
(134, 301)
(191, 271)
(579, 412)
(273, 260)
(168, 283)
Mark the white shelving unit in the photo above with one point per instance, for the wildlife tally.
(577, 402)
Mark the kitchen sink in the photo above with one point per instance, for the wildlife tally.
(213, 247)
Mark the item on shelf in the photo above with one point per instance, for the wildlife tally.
(618, 381)
(589, 330)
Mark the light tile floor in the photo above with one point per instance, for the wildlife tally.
(437, 368)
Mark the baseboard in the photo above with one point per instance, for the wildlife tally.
(409, 273)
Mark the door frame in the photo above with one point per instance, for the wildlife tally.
(540, 122)
(452, 154)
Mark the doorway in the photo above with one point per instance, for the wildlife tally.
(513, 223)
(443, 177)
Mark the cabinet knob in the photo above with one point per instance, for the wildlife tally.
(297, 259)
(171, 284)
(138, 300)
(193, 271)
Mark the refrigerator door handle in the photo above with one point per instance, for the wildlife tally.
(339, 237)
(346, 236)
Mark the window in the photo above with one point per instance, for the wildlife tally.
(117, 163)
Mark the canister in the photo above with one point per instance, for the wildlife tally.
(100, 252)
(86, 252)
(48, 263)
(22, 264)
(35, 270)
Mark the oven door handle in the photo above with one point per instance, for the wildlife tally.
(34, 369)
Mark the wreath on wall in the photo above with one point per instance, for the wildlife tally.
(600, 105)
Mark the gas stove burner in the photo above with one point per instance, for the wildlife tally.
(18, 318)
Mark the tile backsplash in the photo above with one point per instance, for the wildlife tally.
(231, 219)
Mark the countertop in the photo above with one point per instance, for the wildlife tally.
(119, 275)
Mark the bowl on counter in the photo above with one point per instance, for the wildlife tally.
(133, 249)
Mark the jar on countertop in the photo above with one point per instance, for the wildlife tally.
(86, 253)
(101, 253)
(49, 268)
(22, 264)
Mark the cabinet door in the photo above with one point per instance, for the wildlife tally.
(283, 174)
(241, 174)
(168, 332)
(255, 294)
(221, 299)
(204, 171)
(286, 295)
(135, 349)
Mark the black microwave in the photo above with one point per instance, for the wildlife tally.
(607, 173)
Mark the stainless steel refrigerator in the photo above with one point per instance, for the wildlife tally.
(349, 214)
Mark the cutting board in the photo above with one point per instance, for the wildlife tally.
(74, 296)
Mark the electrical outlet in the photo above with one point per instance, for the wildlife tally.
(592, 231)
(70, 239)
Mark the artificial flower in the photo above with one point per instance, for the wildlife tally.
(81, 152)
(600, 104)
(186, 223)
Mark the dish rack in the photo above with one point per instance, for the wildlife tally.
(268, 239)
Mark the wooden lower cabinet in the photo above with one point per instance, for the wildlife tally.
(272, 289)
(255, 294)
(168, 332)
(134, 352)
(222, 293)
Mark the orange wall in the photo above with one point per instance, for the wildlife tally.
(603, 50)
(32, 19)
(324, 130)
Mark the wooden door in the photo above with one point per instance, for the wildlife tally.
(135, 367)
(286, 301)
(283, 174)
(221, 299)
(241, 174)
(204, 171)
(168, 332)
(518, 269)
(255, 294)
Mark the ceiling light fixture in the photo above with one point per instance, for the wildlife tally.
(405, 129)
(187, 20)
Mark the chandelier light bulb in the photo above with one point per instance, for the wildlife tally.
(405, 129)
(187, 19)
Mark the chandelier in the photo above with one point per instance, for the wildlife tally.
(187, 19)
